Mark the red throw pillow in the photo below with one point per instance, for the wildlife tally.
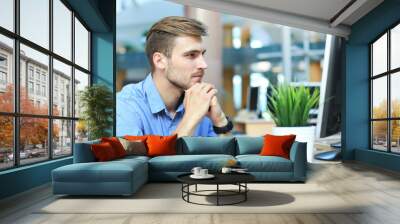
(103, 151)
(277, 145)
(116, 145)
(161, 145)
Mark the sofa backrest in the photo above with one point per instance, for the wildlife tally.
(83, 152)
(206, 145)
(248, 145)
(238, 145)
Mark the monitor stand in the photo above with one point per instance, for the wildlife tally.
(332, 155)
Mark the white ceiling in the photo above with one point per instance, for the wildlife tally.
(321, 9)
(324, 16)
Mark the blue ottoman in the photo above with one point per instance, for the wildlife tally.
(118, 177)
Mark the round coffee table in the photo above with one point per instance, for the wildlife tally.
(238, 179)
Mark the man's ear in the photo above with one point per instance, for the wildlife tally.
(159, 60)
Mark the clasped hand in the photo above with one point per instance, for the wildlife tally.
(201, 100)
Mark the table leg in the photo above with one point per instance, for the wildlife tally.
(188, 189)
(182, 188)
(245, 191)
(217, 194)
(196, 188)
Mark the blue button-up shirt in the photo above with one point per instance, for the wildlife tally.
(141, 111)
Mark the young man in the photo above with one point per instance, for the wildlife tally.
(173, 98)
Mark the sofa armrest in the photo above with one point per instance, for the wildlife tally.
(298, 155)
(83, 152)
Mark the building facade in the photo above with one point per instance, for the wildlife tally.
(34, 81)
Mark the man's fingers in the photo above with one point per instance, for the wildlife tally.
(212, 93)
(207, 88)
(214, 100)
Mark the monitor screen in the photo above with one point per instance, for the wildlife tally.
(252, 98)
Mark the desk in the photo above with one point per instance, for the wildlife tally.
(254, 127)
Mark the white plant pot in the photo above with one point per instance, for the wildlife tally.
(303, 134)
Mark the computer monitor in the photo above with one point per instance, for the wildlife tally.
(329, 112)
(252, 98)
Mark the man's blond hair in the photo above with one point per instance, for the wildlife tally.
(162, 34)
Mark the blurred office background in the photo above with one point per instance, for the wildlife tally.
(245, 57)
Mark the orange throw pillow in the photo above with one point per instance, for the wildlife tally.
(277, 145)
(103, 151)
(116, 145)
(161, 145)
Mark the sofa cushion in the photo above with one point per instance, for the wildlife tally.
(132, 158)
(112, 171)
(83, 152)
(116, 145)
(185, 163)
(161, 145)
(206, 145)
(103, 152)
(257, 163)
(275, 145)
(134, 147)
(248, 145)
(93, 172)
(135, 138)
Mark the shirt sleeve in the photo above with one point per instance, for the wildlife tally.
(211, 132)
(128, 121)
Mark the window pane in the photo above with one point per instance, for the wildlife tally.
(33, 139)
(62, 29)
(81, 131)
(34, 80)
(298, 69)
(35, 21)
(81, 81)
(379, 55)
(7, 14)
(62, 137)
(6, 142)
(379, 135)
(305, 69)
(317, 40)
(379, 97)
(395, 94)
(297, 39)
(395, 136)
(81, 45)
(6, 74)
(395, 47)
(62, 89)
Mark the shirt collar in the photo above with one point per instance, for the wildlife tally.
(180, 107)
(153, 96)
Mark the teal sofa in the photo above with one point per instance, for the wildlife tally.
(125, 176)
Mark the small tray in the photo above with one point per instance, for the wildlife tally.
(208, 176)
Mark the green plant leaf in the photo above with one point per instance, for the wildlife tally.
(96, 102)
(290, 106)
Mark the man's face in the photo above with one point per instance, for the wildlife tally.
(186, 65)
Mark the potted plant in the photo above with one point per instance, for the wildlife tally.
(290, 108)
(96, 102)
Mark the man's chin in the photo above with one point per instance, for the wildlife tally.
(193, 82)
